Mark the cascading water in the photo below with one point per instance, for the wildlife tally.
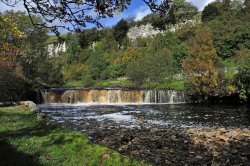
(113, 96)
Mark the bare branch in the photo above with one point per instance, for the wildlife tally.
(79, 12)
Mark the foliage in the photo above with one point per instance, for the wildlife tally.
(120, 31)
(211, 11)
(181, 11)
(151, 68)
(27, 140)
(73, 72)
(155, 19)
(12, 87)
(136, 71)
(242, 78)
(79, 13)
(238, 35)
(88, 37)
(97, 64)
(200, 63)
(73, 48)
(9, 49)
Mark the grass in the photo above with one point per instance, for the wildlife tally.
(26, 141)
(115, 83)
(102, 83)
(175, 84)
(74, 84)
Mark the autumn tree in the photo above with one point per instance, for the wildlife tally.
(200, 64)
(9, 49)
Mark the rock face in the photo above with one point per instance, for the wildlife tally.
(149, 31)
(56, 48)
(142, 31)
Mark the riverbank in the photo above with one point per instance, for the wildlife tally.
(28, 140)
(163, 134)
(161, 146)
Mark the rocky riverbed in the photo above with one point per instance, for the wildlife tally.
(157, 142)
(170, 146)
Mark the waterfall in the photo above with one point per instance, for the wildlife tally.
(113, 96)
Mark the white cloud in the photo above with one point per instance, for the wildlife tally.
(142, 12)
(200, 3)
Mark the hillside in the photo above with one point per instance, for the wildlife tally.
(205, 52)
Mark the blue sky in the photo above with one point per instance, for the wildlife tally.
(138, 9)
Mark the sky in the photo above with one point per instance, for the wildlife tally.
(138, 9)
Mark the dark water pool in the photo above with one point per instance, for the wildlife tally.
(183, 115)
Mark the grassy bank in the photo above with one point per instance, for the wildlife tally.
(175, 84)
(26, 140)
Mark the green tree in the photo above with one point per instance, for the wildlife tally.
(73, 48)
(97, 64)
(88, 37)
(120, 31)
(181, 11)
(199, 65)
(242, 78)
(161, 66)
(156, 67)
(211, 11)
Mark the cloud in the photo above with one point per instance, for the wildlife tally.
(200, 3)
(142, 12)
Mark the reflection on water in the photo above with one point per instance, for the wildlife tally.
(183, 116)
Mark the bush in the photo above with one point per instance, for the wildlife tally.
(12, 87)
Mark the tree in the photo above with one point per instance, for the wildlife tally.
(73, 48)
(181, 11)
(211, 11)
(242, 78)
(9, 49)
(78, 13)
(120, 31)
(88, 37)
(33, 50)
(199, 65)
(155, 67)
(97, 64)
(228, 41)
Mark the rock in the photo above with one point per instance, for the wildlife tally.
(29, 104)
(198, 157)
(173, 138)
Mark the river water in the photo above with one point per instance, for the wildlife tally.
(163, 115)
